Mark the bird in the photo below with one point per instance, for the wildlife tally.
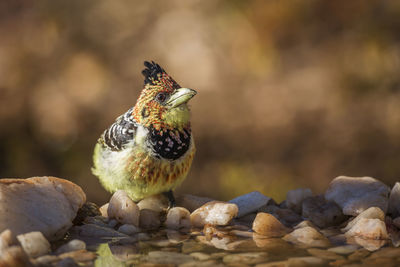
(149, 149)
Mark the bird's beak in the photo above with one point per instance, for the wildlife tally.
(180, 96)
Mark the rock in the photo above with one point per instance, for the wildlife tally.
(273, 264)
(394, 201)
(371, 213)
(34, 244)
(79, 255)
(200, 256)
(123, 209)
(164, 257)
(359, 255)
(103, 210)
(157, 203)
(294, 198)
(344, 250)
(191, 202)
(356, 194)
(386, 253)
(368, 229)
(208, 263)
(72, 245)
(67, 262)
(267, 225)
(304, 224)
(88, 209)
(396, 222)
(112, 223)
(288, 216)
(368, 244)
(250, 202)
(321, 212)
(14, 256)
(128, 229)
(324, 254)
(307, 236)
(176, 237)
(45, 204)
(246, 258)
(93, 230)
(214, 213)
(149, 219)
(306, 261)
(46, 260)
(6, 239)
(178, 218)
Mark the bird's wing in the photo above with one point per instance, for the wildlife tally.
(121, 132)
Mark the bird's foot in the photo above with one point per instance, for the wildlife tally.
(171, 199)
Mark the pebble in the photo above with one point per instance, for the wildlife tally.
(112, 223)
(359, 254)
(72, 245)
(123, 209)
(165, 257)
(93, 230)
(79, 255)
(46, 260)
(288, 216)
(103, 210)
(214, 213)
(321, 212)
(386, 253)
(273, 264)
(368, 244)
(191, 202)
(294, 198)
(192, 246)
(370, 213)
(267, 225)
(306, 261)
(246, 258)
(368, 229)
(14, 256)
(176, 237)
(307, 236)
(34, 244)
(200, 256)
(44, 204)
(6, 239)
(344, 250)
(324, 254)
(178, 218)
(304, 224)
(157, 203)
(250, 202)
(149, 219)
(208, 263)
(394, 201)
(356, 194)
(128, 229)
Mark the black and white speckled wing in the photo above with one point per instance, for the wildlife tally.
(121, 132)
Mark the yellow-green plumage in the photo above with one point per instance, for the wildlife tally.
(150, 148)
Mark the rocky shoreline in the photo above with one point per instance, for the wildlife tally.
(46, 221)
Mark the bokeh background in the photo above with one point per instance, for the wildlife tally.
(290, 93)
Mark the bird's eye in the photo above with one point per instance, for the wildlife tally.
(160, 97)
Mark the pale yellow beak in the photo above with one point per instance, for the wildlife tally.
(180, 96)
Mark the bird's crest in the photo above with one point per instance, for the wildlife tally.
(156, 75)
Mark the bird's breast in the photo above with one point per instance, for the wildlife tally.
(169, 144)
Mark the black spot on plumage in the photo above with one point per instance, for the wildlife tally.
(169, 145)
(151, 72)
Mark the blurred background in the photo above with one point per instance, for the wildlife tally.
(290, 93)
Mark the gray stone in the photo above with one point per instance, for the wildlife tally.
(44, 204)
(128, 229)
(344, 250)
(191, 202)
(394, 201)
(294, 198)
(93, 230)
(72, 245)
(250, 202)
(34, 244)
(356, 194)
(321, 212)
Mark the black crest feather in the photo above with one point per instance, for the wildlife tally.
(151, 72)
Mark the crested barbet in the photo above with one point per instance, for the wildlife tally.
(149, 149)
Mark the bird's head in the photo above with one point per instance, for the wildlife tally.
(162, 102)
